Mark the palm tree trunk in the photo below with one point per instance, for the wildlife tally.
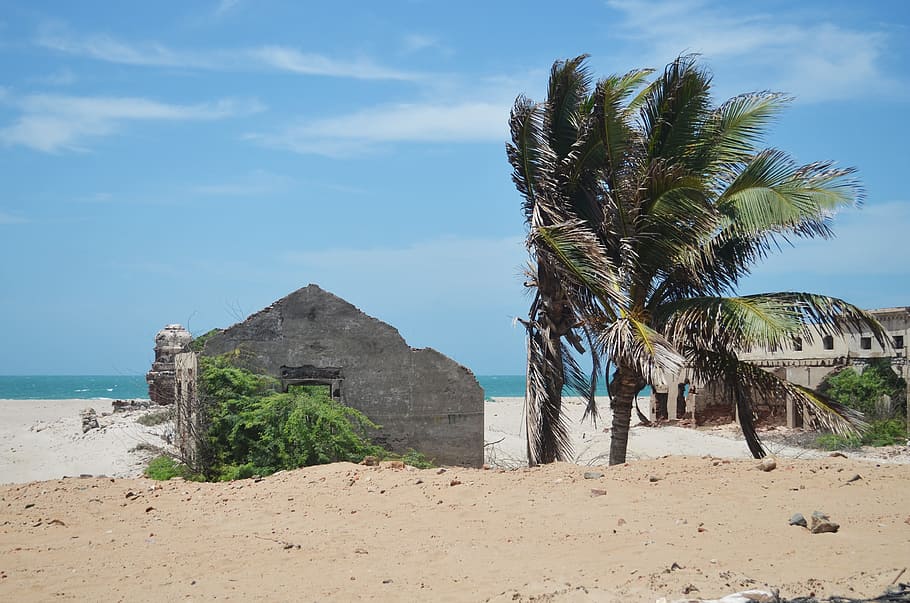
(625, 386)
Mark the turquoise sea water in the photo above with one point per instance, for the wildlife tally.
(124, 387)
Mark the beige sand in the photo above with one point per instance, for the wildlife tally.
(652, 528)
(43, 439)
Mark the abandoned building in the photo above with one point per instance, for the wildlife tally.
(806, 362)
(421, 398)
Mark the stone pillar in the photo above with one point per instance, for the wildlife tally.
(170, 341)
(187, 416)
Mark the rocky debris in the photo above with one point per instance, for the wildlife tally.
(855, 478)
(89, 419)
(598, 492)
(746, 596)
(838, 454)
(799, 520)
(393, 464)
(128, 405)
(821, 524)
(768, 464)
(653, 479)
(370, 461)
(593, 475)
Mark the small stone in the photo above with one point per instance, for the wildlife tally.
(89, 419)
(393, 464)
(768, 465)
(440, 471)
(620, 522)
(822, 524)
(798, 520)
(370, 461)
(593, 475)
(653, 479)
(838, 454)
(419, 481)
(855, 478)
(455, 482)
(598, 492)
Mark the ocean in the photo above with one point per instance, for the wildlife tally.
(124, 387)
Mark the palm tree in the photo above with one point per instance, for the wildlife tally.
(645, 207)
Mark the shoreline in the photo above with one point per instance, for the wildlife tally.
(43, 439)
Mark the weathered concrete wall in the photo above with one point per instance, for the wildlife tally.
(423, 399)
(187, 416)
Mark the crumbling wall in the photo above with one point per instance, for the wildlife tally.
(422, 399)
(187, 419)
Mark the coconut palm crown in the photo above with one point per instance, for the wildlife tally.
(645, 207)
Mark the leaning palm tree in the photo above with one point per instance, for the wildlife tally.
(645, 207)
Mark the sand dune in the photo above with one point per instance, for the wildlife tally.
(676, 527)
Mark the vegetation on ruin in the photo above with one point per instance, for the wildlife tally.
(645, 206)
(253, 429)
(880, 394)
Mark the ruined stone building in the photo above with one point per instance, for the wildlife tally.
(806, 362)
(421, 398)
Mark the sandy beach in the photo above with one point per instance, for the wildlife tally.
(697, 525)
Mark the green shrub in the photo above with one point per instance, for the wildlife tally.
(163, 468)
(253, 429)
(884, 432)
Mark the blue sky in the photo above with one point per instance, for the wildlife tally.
(193, 161)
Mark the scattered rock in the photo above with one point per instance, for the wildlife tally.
(370, 461)
(30, 505)
(455, 482)
(821, 524)
(593, 475)
(56, 522)
(768, 464)
(653, 479)
(440, 471)
(855, 478)
(799, 520)
(598, 492)
(127, 405)
(838, 454)
(89, 419)
(393, 464)
(620, 522)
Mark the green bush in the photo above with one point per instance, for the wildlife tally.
(884, 432)
(253, 429)
(163, 468)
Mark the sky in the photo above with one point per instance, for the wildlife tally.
(192, 162)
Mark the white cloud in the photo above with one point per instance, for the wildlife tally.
(51, 123)
(281, 58)
(450, 271)
(815, 60)
(6, 218)
(418, 43)
(226, 6)
(290, 59)
(359, 132)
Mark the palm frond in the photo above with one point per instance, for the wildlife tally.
(580, 254)
(772, 194)
(531, 158)
(730, 323)
(630, 342)
(570, 81)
